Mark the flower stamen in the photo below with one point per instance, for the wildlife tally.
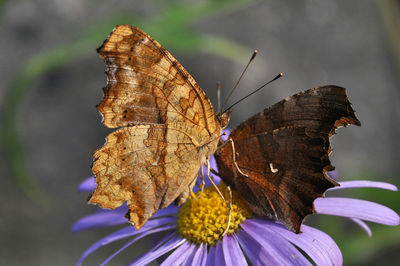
(206, 218)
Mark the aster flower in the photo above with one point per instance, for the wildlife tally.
(192, 233)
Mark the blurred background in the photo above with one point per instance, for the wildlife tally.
(52, 79)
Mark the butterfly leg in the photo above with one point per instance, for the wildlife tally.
(233, 154)
(208, 167)
(234, 157)
(230, 211)
(203, 183)
(211, 178)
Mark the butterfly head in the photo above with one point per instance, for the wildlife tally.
(223, 118)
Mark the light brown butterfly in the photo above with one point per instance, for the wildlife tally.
(167, 127)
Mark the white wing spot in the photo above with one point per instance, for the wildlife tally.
(145, 40)
(156, 161)
(273, 170)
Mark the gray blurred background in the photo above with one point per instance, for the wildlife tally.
(52, 79)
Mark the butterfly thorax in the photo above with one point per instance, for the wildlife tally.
(224, 118)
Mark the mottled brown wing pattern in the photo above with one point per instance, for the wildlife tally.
(146, 84)
(135, 166)
(283, 154)
(167, 127)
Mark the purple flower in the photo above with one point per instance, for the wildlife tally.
(262, 241)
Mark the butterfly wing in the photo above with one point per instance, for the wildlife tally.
(146, 84)
(282, 153)
(167, 127)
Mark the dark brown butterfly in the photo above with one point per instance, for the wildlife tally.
(281, 154)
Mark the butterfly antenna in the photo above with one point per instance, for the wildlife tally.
(240, 78)
(277, 77)
(219, 96)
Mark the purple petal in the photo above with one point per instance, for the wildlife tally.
(107, 217)
(333, 174)
(213, 165)
(178, 256)
(140, 236)
(279, 248)
(217, 180)
(200, 257)
(309, 243)
(355, 208)
(87, 185)
(121, 209)
(170, 210)
(257, 254)
(211, 257)
(326, 243)
(233, 255)
(99, 220)
(219, 255)
(168, 243)
(363, 225)
(123, 233)
(363, 184)
(227, 132)
(190, 252)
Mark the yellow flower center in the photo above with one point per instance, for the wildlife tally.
(204, 219)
